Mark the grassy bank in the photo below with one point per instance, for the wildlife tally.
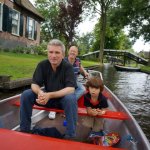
(145, 69)
(23, 65)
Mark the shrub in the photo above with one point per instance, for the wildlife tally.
(38, 49)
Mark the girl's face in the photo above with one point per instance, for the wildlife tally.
(94, 91)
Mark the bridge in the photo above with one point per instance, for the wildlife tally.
(118, 53)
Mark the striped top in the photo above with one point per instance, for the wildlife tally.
(76, 66)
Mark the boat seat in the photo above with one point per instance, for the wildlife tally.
(82, 111)
(14, 140)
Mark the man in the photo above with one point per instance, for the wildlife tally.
(58, 79)
(78, 68)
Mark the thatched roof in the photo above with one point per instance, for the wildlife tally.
(28, 5)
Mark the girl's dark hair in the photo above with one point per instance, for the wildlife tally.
(95, 82)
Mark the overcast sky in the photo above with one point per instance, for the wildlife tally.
(88, 26)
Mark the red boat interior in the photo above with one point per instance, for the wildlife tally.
(23, 141)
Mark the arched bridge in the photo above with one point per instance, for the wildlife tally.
(119, 53)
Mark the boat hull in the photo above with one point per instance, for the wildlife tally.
(132, 137)
(123, 68)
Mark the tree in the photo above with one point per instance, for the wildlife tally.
(70, 17)
(102, 7)
(134, 14)
(50, 11)
(84, 43)
(115, 38)
(61, 18)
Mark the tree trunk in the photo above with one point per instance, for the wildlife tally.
(102, 33)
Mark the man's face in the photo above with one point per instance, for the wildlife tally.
(55, 55)
(73, 52)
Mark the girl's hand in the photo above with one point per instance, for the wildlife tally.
(94, 112)
(101, 112)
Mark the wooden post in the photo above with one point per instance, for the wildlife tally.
(149, 59)
(124, 62)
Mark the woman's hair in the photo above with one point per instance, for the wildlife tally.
(56, 42)
(95, 82)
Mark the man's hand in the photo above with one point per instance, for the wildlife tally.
(86, 74)
(43, 98)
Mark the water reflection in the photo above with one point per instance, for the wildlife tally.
(8, 93)
(133, 89)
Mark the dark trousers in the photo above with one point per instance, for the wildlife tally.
(68, 103)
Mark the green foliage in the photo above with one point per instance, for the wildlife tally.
(38, 50)
(50, 11)
(84, 43)
(115, 38)
(61, 19)
(135, 14)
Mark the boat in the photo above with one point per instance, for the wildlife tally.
(124, 68)
(117, 120)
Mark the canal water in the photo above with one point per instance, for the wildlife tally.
(132, 88)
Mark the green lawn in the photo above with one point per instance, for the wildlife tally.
(23, 65)
(18, 65)
(89, 63)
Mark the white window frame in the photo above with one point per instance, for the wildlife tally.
(1, 16)
(33, 28)
(18, 25)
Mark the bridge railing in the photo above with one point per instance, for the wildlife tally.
(112, 52)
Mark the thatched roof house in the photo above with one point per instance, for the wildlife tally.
(19, 23)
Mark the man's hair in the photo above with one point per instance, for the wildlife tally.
(74, 47)
(56, 42)
(95, 82)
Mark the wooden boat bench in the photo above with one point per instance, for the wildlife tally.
(13, 140)
(82, 111)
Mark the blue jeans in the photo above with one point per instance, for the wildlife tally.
(80, 90)
(68, 103)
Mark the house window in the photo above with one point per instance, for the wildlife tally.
(15, 22)
(1, 16)
(31, 28)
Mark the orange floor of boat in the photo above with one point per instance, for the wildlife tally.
(13, 140)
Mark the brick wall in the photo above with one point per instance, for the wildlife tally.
(8, 40)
